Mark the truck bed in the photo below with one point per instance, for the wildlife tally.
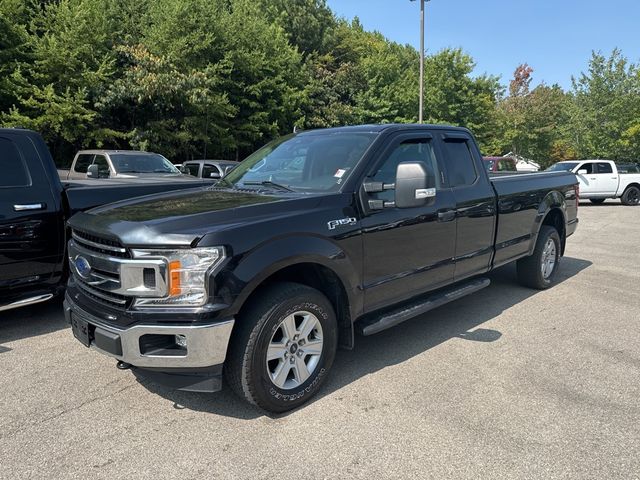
(522, 199)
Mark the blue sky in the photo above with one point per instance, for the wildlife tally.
(554, 37)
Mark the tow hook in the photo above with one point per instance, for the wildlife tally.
(123, 365)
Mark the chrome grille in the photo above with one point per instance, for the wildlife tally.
(99, 244)
(111, 299)
(106, 272)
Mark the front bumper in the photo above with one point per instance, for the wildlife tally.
(206, 343)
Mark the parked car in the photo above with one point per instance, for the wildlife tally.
(214, 169)
(601, 179)
(263, 275)
(118, 164)
(499, 164)
(34, 205)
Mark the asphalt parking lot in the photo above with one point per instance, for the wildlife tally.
(506, 383)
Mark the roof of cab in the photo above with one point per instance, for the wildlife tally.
(119, 152)
(379, 128)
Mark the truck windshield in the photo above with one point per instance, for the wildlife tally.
(306, 162)
(562, 167)
(142, 163)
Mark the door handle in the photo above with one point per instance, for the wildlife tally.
(592, 178)
(446, 215)
(29, 206)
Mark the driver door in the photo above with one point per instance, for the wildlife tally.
(407, 251)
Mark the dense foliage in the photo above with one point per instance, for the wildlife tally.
(217, 78)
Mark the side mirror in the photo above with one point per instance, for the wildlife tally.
(214, 175)
(412, 179)
(582, 171)
(93, 171)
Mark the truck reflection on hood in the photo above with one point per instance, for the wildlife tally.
(181, 204)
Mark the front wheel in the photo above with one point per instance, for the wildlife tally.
(538, 270)
(631, 196)
(284, 347)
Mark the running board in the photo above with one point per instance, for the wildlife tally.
(26, 301)
(423, 305)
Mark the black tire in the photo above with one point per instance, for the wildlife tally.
(597, 201)
(631, 196)
(246, 369)
(530, 273)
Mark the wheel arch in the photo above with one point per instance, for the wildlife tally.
(552, 212)
(322, 265)
(631, 185)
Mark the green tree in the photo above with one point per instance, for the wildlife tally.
(606, 108)
(308, 24)
(70, 58)
(533, 122)
(453, 96)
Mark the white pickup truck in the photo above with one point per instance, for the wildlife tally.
(601, 179)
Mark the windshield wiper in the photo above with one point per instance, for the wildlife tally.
(269, 183)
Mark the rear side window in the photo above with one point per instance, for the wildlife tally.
(14, 171)
(604, 167)
(459, 161)
(83, 162)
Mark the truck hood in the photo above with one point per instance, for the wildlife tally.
(182, 218)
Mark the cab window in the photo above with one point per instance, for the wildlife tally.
(82, 163)
(588, 167)
(459, 163)
(603, 167)
(191, 169)
(210, 171)
(506, 166)
(103, 166)
(14, 171)
(414, 150)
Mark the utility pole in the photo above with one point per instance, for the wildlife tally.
(421, 108)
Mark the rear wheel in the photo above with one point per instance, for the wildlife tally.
(538, 270)
(284, 347)
(597, 201)
(631, 196)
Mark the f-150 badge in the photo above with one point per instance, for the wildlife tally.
(342, 221)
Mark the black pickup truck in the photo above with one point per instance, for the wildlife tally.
(314, 236)
(34, 206)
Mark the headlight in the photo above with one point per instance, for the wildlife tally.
(187, 275)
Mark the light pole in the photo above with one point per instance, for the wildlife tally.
(421, 107)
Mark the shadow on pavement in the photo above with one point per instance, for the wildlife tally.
(459, 319)
(31, 321)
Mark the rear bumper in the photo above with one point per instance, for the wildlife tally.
(572, 225)
(206, 344)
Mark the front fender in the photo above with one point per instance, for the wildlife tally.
(246, 273)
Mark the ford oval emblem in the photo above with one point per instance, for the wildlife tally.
(83, 267)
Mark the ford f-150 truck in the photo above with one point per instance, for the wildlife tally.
(314, 236)
(601, 179)
(34, 206)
